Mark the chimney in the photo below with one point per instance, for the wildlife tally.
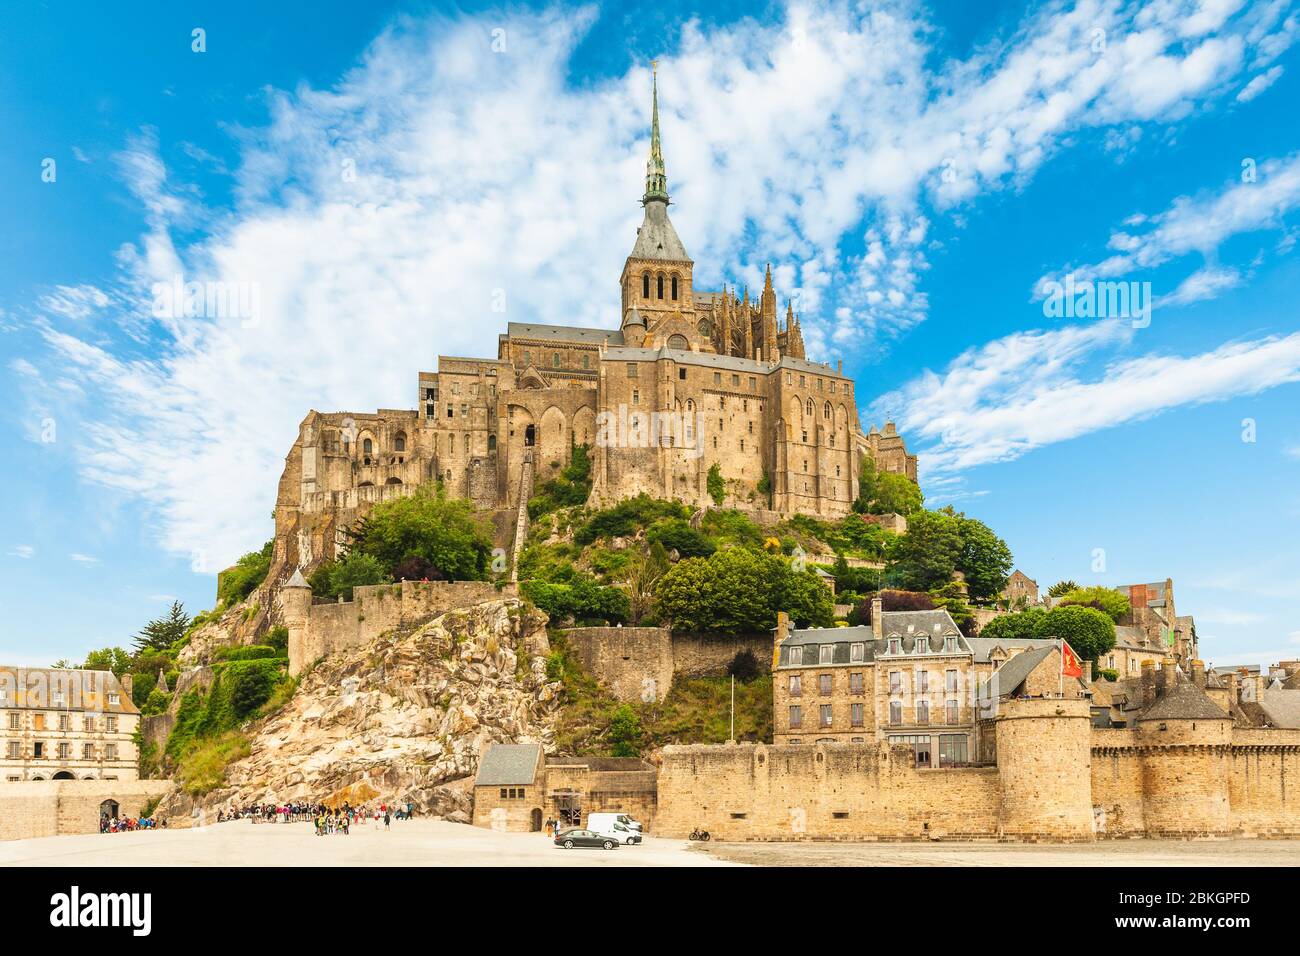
(128, 684)
(1148, 683)
(1169, 677)
(1087, 672)
(778, 636)
(877, 617)
(1198, 673)
(1230, 679)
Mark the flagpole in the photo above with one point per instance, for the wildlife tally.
(1061, 676)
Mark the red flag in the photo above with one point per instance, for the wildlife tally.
(1070, 665)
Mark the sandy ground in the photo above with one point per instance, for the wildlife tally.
(434, 843)
(409, 843)
(1111, 853)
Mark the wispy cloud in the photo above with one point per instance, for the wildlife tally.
(83, 558)
(24, 551)
(997, 402)
(1257, 200)
(381, 219)
(1258, 84)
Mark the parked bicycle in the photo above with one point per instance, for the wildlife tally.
(700, 835)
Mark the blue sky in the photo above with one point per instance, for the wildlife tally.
(915, 173)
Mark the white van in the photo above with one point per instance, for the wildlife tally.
(615, 825)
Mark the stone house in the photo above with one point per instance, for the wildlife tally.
(518, 788)
(63, 724)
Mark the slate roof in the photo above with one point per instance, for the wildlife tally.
(983, 647)
(657, 239)
(1282, 708)
(508, 765)
(564, 333)
(1184, 701)
(1007, 678)
(64, 689)
(931, 626)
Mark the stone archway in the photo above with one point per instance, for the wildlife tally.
(109, 809)
(63, 775)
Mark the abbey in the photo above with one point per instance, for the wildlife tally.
(685, 380)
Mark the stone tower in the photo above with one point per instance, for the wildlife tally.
(1044, 750)
(295, 605)
(657, 278)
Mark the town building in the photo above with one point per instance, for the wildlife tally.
(62, 724)
(518, 788)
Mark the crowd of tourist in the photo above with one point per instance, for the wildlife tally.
(326, 820)
(126, 824)
(273, 812)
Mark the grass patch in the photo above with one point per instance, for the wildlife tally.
(203, 767)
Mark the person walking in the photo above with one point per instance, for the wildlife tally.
(386, 819)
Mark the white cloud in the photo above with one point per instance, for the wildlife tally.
(378, 218)
(83, 558)
(1257, 200)
(24, 551)
(75, 302)
(997, 402)
(1259, 84)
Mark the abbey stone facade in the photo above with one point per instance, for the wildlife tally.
(689, 378)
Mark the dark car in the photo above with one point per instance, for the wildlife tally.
(571, 838)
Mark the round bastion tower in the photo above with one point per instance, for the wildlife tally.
(1044, 750)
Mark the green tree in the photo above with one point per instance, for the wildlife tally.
(1022, 625)
(162, 632)
(113, 659)
(738, 591)
(1062, 587)
(676, 534)
(896, 494)
(252, 688)
(927, 555)
(985, 559)
(238, 582)
(625, 733)
(1090, 632)
(717, 489)
(1108, 600)
(429, 525)
(356, 570)
(643, 577)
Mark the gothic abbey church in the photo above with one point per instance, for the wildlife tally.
(686, 380)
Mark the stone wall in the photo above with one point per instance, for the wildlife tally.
(58, 807)
(1057, 779)
(638, 663)
(823, 792)
(1190, 785)
(322, 630)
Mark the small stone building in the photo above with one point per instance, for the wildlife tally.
(518, 788)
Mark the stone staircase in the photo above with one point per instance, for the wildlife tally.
(521, 519)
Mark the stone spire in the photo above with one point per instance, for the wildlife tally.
(656, 180)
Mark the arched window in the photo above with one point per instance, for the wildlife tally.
(530, 436)
(661, 285)
(492, 443)
(809, 408)
(399, 443)
(393, 481)
(674, 288)
(586, 360)
(690, 404)
(555, 360)
(645, 286)
(679, 342)
(826, 411)
(367, 447)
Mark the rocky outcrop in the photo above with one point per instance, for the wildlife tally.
(403, 718)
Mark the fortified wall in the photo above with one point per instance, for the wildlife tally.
(328, 628)
(1055, 778)
(848, 791)
(639, 663)
(41, 808)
